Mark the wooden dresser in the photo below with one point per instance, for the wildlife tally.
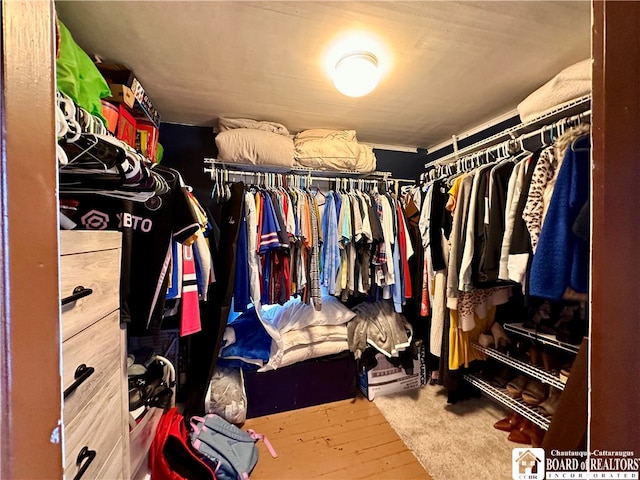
(95, 416)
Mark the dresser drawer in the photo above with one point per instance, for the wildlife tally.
(97, 347)
(98, 427)
(98, 271)
(82, 241)
(113, 468)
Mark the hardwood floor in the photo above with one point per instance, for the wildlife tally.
(344, 440)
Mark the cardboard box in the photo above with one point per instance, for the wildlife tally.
(115, 73)
(126, 88)
(385, 378)
(122, 94)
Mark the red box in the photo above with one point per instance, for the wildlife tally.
(127, 127)
(148, 137)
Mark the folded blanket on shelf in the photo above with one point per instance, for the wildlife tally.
(225, 124)
(333, 150)
(571, 83)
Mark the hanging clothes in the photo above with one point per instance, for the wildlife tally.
(562, 259)
(520, 245)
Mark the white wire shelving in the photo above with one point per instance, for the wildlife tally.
(543, 338)
(573, 107)
(526, 368)
(535, 414)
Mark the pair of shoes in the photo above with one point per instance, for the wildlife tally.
(535, 392)
(500, 379)
(521, 430)
(542, 357)
(550, 405)
(516, 386)
(509, 423)
(532, 391)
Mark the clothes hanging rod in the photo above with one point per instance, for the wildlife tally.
(534, 133)
(509, 135)
(312, 177)
(562, 110)
(301, 171)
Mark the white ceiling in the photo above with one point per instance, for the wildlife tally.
(448, 65)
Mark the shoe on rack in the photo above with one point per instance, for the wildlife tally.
(485, 340)
(535, 355)
(550, 405)
(519, 348)
(541, 320)
(572, 332)
(516, 386)
(549, 360)
(565, 372)
(535, 392)
(500, 339)
(509, 423)
(503, 377)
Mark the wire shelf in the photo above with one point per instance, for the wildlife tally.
(543, 338)
(518, 405)
(298, 170)
(572, 107)
(526, 368)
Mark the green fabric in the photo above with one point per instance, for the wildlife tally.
(78, 77)
(159, 153)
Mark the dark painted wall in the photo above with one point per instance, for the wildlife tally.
(185, 148)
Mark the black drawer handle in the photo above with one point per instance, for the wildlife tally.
(82, 373)
(78, 293)
(85, 454)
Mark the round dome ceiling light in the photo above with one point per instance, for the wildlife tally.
(356, 74)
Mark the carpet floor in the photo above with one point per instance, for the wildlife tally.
(451, 441)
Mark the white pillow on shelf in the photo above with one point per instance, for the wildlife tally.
(255, 147)
(296, 315)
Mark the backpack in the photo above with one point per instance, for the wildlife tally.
(229, 451)
(170, 455)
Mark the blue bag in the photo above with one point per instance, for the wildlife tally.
(229, 451)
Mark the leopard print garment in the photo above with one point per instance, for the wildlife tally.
(533, 214)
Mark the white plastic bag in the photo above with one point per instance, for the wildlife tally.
(226, 395)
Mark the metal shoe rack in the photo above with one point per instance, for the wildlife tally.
(501, 395)
(531, 370)
(535, 414)
(543, 338)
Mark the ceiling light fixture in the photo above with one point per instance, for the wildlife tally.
(356, 74)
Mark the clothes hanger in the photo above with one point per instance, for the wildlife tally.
(580, 149)
(227, 190)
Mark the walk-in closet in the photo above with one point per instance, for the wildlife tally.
(337, 240)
